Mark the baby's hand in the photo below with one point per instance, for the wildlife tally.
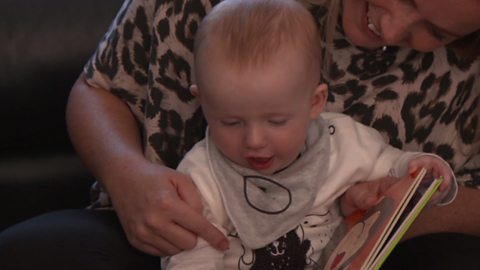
(435, 168)
(364, 195)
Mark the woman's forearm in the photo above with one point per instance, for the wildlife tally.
(103, 131)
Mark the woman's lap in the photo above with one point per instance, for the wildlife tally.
(85, 239)
(71, 239)
(440, 251)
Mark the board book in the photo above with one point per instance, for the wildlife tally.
(365, 239)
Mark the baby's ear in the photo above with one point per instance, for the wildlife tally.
(319, 98)
(194, 90)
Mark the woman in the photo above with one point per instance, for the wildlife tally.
(414, 97)
(408, 68)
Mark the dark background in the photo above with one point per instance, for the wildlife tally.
(43, 47)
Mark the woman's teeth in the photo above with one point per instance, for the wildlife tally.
(372, 27)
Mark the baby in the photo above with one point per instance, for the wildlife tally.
(272, 165)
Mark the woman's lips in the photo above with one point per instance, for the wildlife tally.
(260, 163)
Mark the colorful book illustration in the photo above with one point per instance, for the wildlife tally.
(365, 239)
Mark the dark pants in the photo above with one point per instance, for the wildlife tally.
(83, 239)
(71, 239)
(442, 251)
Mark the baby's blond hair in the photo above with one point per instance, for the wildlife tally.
(250, 33)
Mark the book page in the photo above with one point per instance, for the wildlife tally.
(365, 233)
(415, 206)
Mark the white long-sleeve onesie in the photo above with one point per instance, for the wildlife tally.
(357, 153)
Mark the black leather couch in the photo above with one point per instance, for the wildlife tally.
(43, 47)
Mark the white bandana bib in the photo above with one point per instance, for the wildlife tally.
(262, 208)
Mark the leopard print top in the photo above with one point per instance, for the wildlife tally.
(418, 101)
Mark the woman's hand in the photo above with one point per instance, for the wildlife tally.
(159, 208)
(161, 211)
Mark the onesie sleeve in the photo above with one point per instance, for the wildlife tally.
(399, 161)
(401, 166)
(203, 255)
(374, 158)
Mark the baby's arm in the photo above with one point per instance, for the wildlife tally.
(364, 195)
(203, 256)
(387, 164)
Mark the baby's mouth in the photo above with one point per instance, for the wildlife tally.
(260, 163)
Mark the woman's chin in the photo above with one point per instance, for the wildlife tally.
(358, 39)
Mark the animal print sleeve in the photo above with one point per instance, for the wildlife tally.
(121, 61)
(146, 59)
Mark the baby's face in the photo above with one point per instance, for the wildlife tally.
(258, 117)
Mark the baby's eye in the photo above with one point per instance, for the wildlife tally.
(230, 123)
(277, 122)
